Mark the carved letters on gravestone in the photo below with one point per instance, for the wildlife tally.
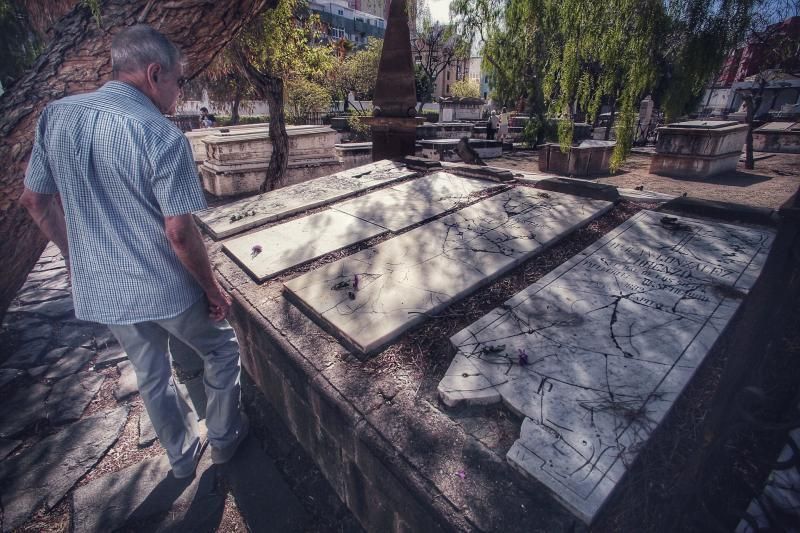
(594, 354)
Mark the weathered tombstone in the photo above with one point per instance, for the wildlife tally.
(645, 116)
(698, 148)
(595, 353)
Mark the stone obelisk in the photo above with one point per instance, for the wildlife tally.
(393, 122)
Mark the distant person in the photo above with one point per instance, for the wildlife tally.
(128, 185)
(207, 120)
(503, 131)
(494, 122)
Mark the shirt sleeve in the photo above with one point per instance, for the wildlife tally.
(38, 176)
(176, 184)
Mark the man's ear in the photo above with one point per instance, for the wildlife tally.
(153, 72)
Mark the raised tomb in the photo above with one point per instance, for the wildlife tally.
(777, 137)
(333, 276)
(698, 148)
(236, 161)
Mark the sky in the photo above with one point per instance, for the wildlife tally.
(440, 10)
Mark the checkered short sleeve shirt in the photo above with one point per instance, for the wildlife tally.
(120, 167)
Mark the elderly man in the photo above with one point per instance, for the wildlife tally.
(128, 185)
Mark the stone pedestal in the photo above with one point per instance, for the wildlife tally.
(778, 137)
(393, 137)
(585, 159)
(196, 137)
(445, 149)
(698, 148)
(353, 154)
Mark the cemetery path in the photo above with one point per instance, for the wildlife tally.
(775, 178)
(78, 452)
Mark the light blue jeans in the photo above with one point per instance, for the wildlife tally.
(145, 343)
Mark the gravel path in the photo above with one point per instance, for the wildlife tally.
(775, 178)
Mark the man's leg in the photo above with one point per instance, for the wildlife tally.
(189, 367)
(216, 344)
(174, 423)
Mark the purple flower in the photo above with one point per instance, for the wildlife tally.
(255, 250)
(461, 474)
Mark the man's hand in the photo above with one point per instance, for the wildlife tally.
(219, 303)
(185, 239)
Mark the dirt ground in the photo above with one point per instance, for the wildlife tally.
(775, 178)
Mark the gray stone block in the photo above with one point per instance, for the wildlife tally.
(70, 362)
(127, 381)
(70, 396)
(45, 472)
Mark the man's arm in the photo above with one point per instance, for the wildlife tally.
(185, 239)
(48, 214)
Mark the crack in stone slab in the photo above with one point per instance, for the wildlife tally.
(615, 334)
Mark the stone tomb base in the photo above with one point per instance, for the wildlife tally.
(698, 148)
(370, 298)
(585, 159)
(594, 354)
(778, 137)
(445, 149)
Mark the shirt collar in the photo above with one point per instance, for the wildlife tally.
(120, 88)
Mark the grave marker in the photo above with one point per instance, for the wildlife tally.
(594, 354)
(404, 279)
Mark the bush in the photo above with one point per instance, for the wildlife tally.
(359, 129)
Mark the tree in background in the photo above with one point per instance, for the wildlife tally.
(225, 83)
(304, 97)
(355, 73)
(77, 59)
(466, 89)
(577, 54)
(279, 46)
(436, 47)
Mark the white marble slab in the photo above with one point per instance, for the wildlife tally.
(422, 271)
(594, 354)
(266, 253)
(404, 205)
(255, 211)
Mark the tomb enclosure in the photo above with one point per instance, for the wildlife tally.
(332, 280)
(698, 148)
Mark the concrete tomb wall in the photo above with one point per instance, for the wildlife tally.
(594, 354)
(588, 158)
(445, 149)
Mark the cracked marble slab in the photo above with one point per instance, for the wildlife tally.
(370, 298)
(594, 354)
(254, 211)
(268, 252)
(400, 206)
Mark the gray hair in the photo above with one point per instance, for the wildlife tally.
(138, 46)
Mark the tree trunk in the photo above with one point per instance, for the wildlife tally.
(279, 160)
(270, 88)
(611, 119)
(78, 60)
(237, 99)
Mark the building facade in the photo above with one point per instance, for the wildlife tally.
(341, 20)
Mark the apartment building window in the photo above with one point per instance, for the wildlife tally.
(448, 79)
(337, 33)
(448, 89)
(340, 12)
